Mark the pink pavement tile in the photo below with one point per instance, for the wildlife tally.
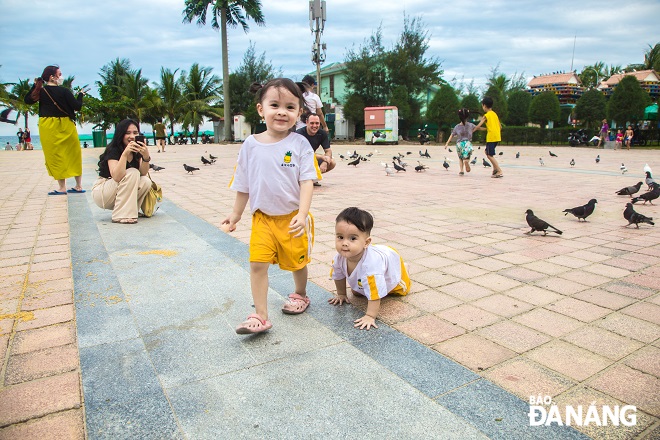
(69, 425)
(495, 282)
(431, 301)
(460, 255)
(489, 263)
(585, 397)
(650, 281)
(38, 398)
(514, 258)
(44, 337)
(548, 322)
(646, 360)
(474, 352)
(433, 278)
(646, 259)
(627, 289)
(49, 275)
(429, 329)
(537, 253)
(588, 256)
(654, 300)
(434, 262)
(51, 299)
(644, 310)
(395, 310)
(631, 327)
(484, 251)
(581, 310)
(560, 285)
(603, 342)
(464, 271)
(42, 363)
(631, 386)
(602, 298)
(458, 244)
(513, 336)
(546, 267)
(623, 263)
(20, 269)
(572, 262)
(525, 378)
(503, 305)
(533, 295)
(46, 317)
(468, 316)
(586, 278)
(436, 248)
(465, 291)
(4, 342)
(607, 271)
(522, 274)
(569, 360)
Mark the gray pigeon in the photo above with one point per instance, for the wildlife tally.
(649, 180)
(485, 162)
(635, 217)
(539, 225)
(584, 211)
(648, 196)
(629, 190)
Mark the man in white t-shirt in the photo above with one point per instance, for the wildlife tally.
(313, 103)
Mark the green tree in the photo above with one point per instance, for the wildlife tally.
(628, 101)
(499, 102)
(354, 108)
(591, 108)
(169, 90)
(444, 107)
(15, 98)
(110, 110)
(366, 75)
(652, 58)
(472, 103)
(544, 107)
(136, 98)
(201, 90)
(518, 106)
(253, 69)
(225, 13)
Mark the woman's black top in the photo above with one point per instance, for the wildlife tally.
(64, 98)
(115, 154)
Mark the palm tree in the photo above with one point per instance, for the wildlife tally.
(652, 58)
(15, 98)
(169, 91)
(135, 94)
(232, 13)
(200, 90)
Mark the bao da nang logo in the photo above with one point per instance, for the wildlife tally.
(543, 412)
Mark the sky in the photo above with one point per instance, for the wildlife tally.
(468, 37)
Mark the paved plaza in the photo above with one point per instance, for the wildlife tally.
(114, 331)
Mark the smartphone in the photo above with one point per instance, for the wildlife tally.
(139, 138)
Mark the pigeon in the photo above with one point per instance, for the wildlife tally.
(647, 168)
(474, 161)
(408, 153)
(541, 161)
(648, 196)
(190, 169)
(398, 167)
(342, 157)
(501, 153)
(389, 171)
(629, 190)
(425, 154)
(485, 162)
(370, 154)
(552, 154)
(518, 155)
(584, 211)
(449, 150)
(421, 167)
(538, 225)
(598, 158)
(572, 163)
(446, 165)
(649, 180)
(355, 162)
(635, 217)
(155, 167)
(212, 157)
(623, 168)
(205, 161)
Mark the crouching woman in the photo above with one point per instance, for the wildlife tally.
(123, 183)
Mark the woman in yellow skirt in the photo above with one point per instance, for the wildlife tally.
(57, 131)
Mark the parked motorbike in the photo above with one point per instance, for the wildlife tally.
(423, 136)
(579, 137)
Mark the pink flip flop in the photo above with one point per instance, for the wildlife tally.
(253, 324)
(296, 304)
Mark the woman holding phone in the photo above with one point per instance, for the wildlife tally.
(57, 131)
(123, 166)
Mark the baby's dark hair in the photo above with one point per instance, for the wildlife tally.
(360, 218)
(487, 101)
(463, 114)
(279, 83)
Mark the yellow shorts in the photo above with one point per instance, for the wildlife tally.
(403, 287)
(271, 242)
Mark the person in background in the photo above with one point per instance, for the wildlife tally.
(493, 133)
(123, 166)
(313, 104)
(618, 141)
(630, 134)
(604, 133)
(57, 131)
(463, 133)
(27, 139)
(20, 135)
(318, 137)
(159, 129)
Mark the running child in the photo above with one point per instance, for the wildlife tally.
(493, 133)
(618, 141)
(463, 133)
(275, 172)
(371, 270)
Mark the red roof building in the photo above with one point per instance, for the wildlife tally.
(648, 79)
(567, 86)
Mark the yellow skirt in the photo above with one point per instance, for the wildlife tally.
(61, 146)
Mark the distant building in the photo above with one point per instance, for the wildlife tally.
(333, 84)
(567, 86)
(648, 79)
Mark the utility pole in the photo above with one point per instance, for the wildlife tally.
(316, 24)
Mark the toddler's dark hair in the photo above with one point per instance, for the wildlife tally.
(279, 83)
(487, 101)
(463, 114)
(360, 218)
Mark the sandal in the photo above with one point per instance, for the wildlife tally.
(126, 221)
(253, 324)
(296, 304)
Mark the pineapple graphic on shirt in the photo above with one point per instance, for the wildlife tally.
(287, 157)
